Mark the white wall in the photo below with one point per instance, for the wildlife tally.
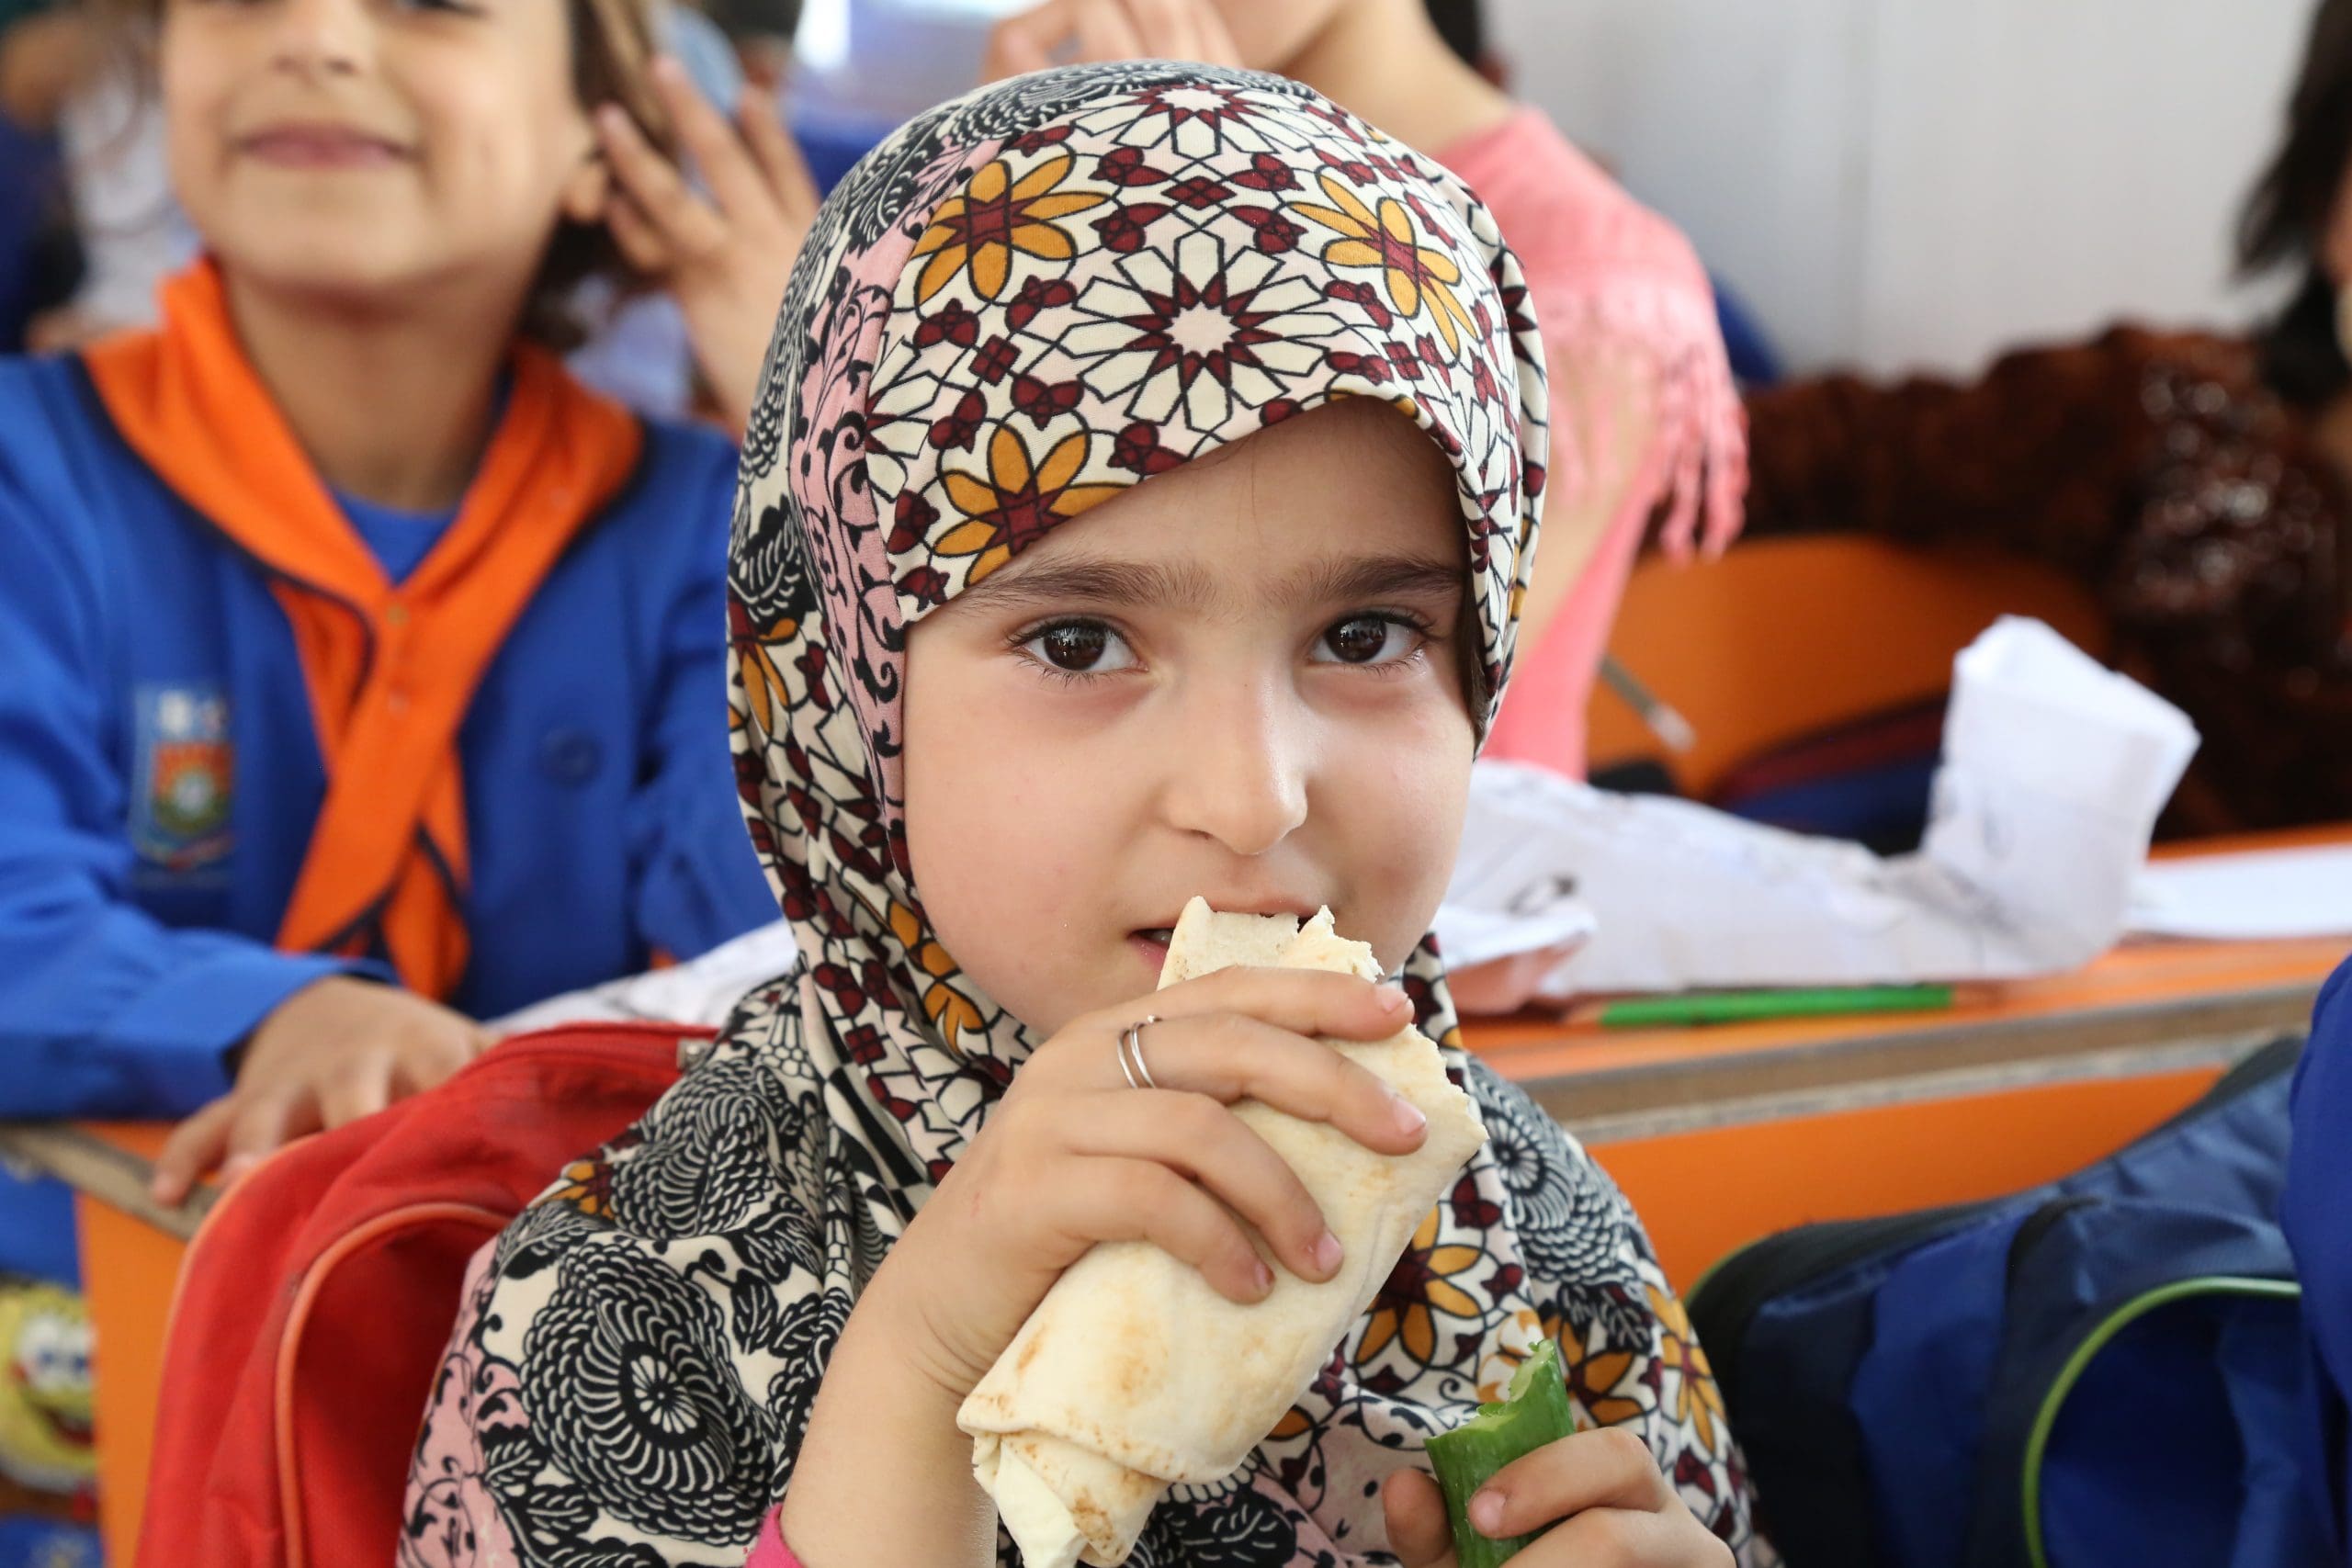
(1917, 183)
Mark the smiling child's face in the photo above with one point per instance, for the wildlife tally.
(355, 148)
(1242, 679)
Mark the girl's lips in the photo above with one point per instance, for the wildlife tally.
(1151, 947)
(320, 147)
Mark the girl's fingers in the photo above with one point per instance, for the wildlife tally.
(779, 156)
(1181, 29)
(266, 1122)
(1419, 1536)
(193, 1148)
(1027, 42)
(364, 1089)
(1200, 1139)
(1608, 1468)
(1105, 33)
(1139, 1200)
(1305, 1001)
(1722, 527)
(1164, 29)
(722, 158)
(1629, 1538)
(429, 1064)
(685, 222)
(1095, 31)
(1230, 1057)
(1216, 45)
(641, 243)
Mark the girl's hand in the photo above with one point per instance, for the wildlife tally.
(1503, 986)
(335, 1051)
(723, 257)
(1073, 1156)
(1071, 32)
(1611, 1507)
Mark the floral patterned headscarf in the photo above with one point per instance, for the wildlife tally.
(1023, 303)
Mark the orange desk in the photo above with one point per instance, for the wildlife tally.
(1719, 1135)
(1723, 1134)
(2141, 996)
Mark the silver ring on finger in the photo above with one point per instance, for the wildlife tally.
(1131, 1063)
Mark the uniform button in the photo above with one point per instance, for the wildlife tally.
(396, 614)
(571, 756)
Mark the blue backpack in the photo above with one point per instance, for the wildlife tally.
(2097, 1372)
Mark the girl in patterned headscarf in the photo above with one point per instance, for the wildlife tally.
(1143, 486)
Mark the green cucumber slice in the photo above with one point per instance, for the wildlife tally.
(1535, 1411)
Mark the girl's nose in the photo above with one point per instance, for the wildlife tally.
(1238, 768)
(321, 38)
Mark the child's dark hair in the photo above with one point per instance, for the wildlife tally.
(1462, 24)
(612, 45)
(2286, 218)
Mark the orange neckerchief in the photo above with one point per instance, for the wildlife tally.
(390, 670)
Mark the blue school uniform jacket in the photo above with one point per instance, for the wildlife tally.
(159, 771)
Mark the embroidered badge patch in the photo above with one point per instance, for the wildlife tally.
(185, 772)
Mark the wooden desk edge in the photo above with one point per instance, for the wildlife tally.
(1576, 1097)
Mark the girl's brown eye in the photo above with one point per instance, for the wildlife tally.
(1368, 640)
(1075, 647)
(1079, 647)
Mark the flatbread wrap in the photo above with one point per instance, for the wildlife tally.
(1134, 1374)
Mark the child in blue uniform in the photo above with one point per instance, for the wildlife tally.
(360, 672)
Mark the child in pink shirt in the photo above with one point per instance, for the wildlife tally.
(1646, 414)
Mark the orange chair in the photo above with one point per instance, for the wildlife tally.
(1783, 639)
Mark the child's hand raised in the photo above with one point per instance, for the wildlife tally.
(335, 1051)
(1073, 1156)
(1603, 1496)
(723, 257)
(1073, 32)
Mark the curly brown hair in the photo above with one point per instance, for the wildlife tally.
(613, 44)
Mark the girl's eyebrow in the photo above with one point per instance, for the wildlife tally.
(1084, 580)
(1341, 579)
(1093, 580)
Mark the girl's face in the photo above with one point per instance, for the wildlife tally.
(1240, 679)
(355, 147)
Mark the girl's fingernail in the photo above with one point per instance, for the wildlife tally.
(1487, 1513)
(1329, 1253)
(1262, 1276)
(1409, 1119)
(1393, 999)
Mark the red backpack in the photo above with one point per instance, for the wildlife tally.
(316, 1301)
